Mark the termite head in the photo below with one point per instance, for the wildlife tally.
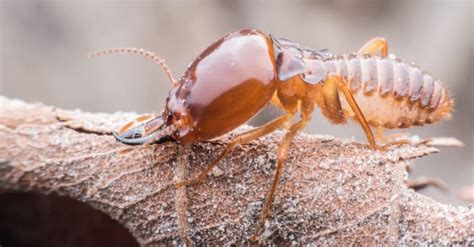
(172, 125)
(224, 87)
(167, 127)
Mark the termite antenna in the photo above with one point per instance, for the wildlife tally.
(157, 59)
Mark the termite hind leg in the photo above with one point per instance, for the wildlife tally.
(239, 139)
(391, 138)
(281, 156)
(355, 108)
(376, 46)
(360, 116)
(398, 139)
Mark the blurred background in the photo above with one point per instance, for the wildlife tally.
(44, 47)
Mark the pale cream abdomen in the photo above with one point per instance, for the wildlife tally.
(390, 92)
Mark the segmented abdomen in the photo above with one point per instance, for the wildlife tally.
(390, 92)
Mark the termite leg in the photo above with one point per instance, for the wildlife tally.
(181, 197)
(281, 156)
(392, 137)
(375, 46)
(239, 139)
(379, 135)
(355, 108)
(137, 121)
(391, 140)
(399, 139)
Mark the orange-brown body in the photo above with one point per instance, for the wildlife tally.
(235, 77)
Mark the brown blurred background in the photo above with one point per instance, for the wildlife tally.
(44, 47)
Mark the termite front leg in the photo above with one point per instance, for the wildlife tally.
(239, 139)
(376, 46)
(281, 156)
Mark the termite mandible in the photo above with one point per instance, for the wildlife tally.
(236, 76)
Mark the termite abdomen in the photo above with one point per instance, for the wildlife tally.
(391, 92)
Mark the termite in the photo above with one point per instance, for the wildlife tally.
(236, 76)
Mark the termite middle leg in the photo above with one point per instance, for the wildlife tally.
(240, 139)
(281, 156)
(375, 46)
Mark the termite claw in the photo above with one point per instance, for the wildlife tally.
(151, 131)
(134, 136)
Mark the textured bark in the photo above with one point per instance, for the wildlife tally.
(332, 192)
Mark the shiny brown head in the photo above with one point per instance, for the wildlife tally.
(231, 81)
